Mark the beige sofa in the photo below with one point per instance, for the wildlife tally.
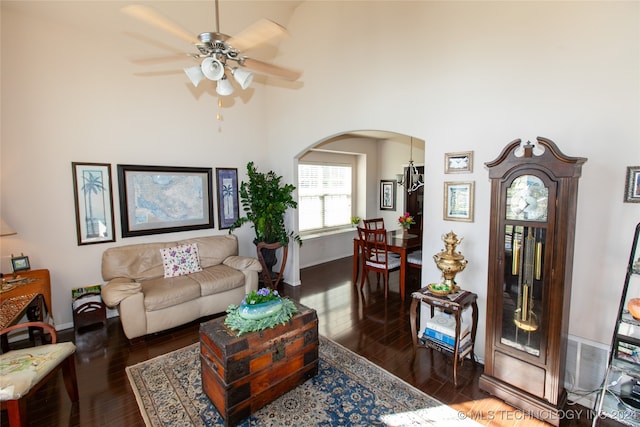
(149, 302)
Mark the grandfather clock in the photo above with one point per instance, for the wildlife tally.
(534, 190)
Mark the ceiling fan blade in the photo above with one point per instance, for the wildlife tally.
(155, 19)
(274, 70)
(159, 73)
(162, 59)
(262, 31)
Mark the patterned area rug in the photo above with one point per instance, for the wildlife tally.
(348, 391)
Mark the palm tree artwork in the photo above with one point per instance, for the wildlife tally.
(227, 197)
(93, 189)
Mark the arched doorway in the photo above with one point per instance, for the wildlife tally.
(378, 156)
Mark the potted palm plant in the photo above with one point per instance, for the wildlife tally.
(265, 200)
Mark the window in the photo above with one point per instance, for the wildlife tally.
(324, 195)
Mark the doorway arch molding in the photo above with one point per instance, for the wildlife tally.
(336, 143)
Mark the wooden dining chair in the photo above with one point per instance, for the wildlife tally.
(24, 371)
(376, 256)
(373, 223)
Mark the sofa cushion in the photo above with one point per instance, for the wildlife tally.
(138, 262)
(218, 278)
(214, 249)
(162, 293)
(180, 260)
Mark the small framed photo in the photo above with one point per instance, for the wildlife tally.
(20, 263)
(458, 201)
(632, 186)
(458, 162)
(228, 205)
(388, 195)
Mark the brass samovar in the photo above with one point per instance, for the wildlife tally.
(449, 261)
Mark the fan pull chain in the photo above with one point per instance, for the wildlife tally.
(219, 114)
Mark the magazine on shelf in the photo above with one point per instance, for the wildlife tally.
(78, 292)
(446, 323)
(446, 340)
(628, 352)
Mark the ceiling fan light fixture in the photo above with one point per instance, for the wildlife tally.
(243, 77)
(195, 74)
(224, 87)
(212, 68)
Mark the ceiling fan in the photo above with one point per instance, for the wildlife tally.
(221, 56)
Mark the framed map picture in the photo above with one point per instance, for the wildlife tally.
(161, 199)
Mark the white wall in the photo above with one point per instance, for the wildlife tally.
(71, 93)
(459, 75)
(475, 76)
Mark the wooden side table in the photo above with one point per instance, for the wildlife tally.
(35, 281)
(25, 296)
(15, 308)
(454, 304)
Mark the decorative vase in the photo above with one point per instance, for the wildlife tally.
(634, 308)
(260, 310)
(449, 261)
(405, 233)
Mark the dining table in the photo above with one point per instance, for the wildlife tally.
(397, 242)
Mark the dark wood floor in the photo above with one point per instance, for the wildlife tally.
(366, 323)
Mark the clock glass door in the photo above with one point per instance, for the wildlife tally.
(527, 201)
(522, 307)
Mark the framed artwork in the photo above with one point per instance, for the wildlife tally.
(164, 199)
(228, 205)
(458, 162)
(458, 201)
(93, 197)
(388, 195)
(20, 263)
(632, 187)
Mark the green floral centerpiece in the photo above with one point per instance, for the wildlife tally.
(259, 310)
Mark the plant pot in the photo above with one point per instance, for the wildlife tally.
(270, 259)
(267, 258)
(261, 310)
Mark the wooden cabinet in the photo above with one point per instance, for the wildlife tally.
(533, 208)
(414, 204)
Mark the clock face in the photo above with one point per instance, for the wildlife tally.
(527, 199)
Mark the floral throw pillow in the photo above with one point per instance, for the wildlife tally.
(180, 260)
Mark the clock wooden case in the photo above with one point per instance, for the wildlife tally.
(533, 208)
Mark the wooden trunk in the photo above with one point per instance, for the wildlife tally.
(242, 374)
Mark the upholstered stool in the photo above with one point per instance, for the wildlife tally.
(23, 371)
